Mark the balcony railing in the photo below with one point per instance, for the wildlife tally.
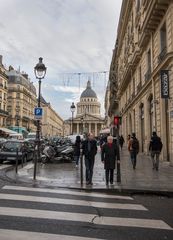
(3, 112)
(162, 55)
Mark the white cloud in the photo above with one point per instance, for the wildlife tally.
(70, 35)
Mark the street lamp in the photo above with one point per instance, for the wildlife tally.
(72, 108)
(40, 72)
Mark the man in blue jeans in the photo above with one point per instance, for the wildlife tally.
(89, 148)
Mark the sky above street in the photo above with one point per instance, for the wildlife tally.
(72, 36)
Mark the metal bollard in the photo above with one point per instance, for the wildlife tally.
(118, 173)
(17, 160)
(81, 168)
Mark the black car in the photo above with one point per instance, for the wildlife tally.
(9, 151)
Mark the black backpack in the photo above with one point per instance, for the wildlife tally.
(135, 145)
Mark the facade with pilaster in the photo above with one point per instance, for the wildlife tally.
(143, 48)
(22, 100)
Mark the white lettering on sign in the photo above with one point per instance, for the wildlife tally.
(165, 84)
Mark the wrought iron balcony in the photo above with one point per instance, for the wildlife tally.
(3, 112)
(162, 55)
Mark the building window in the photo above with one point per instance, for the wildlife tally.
(163, 43)
(148, 73)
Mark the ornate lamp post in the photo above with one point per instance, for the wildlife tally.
(72, 108)
(40, 72)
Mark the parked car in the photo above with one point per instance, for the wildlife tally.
(9, 150)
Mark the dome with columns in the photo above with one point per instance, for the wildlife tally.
(88, 102)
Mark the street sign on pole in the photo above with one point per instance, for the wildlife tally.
(38, 113)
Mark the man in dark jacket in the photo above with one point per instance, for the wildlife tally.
(109, 155)
(133, 147)
(89, 148)
(155, 148)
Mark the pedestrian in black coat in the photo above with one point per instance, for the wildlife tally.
(109, 155)
(89, 147)
(77, 147)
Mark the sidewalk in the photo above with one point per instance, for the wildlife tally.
(143, 179)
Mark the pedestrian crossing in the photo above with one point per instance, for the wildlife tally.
(43, 213)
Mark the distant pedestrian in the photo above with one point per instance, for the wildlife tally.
(155, 148)
(89, 147)
(109, 155)
(77, 147)
(133, 147)
(121, 141)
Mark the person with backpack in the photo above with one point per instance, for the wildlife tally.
(133, 147)
(155, 148)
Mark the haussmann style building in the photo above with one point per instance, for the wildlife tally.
(141, 73)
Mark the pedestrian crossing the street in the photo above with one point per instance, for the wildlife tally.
(44, 213)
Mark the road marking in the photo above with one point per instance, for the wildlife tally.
(5, 166)
(75, 202)
(20, 235)
(132, 222)
(89, 218)
(69, 192)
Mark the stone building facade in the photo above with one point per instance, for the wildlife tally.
(3, 94)
(52, 123)
(88, 117)
(22, 100)
(143, 48)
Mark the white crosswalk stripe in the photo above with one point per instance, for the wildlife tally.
(72, 202)
(13, 197)
(20, 235)
(62, 191)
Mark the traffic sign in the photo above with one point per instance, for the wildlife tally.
(38, 112)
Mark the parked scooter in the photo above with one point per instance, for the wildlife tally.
(48, 154)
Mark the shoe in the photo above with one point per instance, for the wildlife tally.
(157, 169)
(111, 183)
(87, 182)
(107, 183)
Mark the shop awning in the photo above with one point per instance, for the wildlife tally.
(8, 131)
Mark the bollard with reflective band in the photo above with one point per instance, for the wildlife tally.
(118, 172)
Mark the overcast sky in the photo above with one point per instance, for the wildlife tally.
(72, 36)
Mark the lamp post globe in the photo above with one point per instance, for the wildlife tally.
(72, 108)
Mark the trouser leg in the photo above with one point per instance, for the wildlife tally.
(134, 163)
(91, 163)
(153, 159)
(111, 175)
(107, 175)
(87, 169)
(157, 161)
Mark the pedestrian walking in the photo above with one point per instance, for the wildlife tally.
(121, 141)
(133, 147)
(77, 147)
(155, 148)
(109, 155)
(89, 147)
